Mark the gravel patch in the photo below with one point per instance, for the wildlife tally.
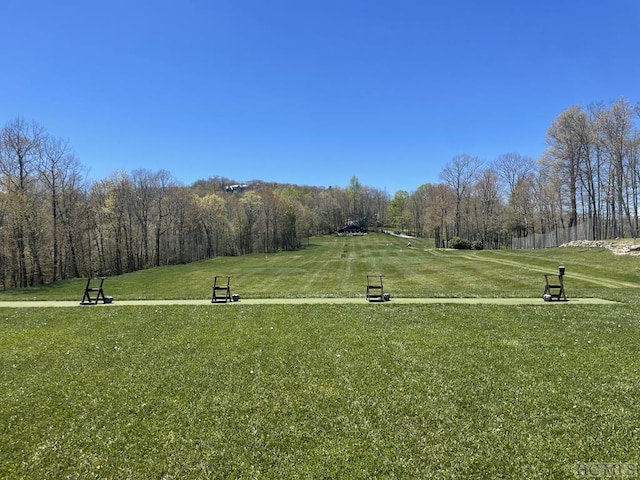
(618, 248)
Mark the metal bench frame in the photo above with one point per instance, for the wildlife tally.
(375, 288)
(87, 299)
(221, 289)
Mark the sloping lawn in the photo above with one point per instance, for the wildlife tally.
(337, 267)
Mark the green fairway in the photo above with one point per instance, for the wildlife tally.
(263, 388)
(336, 267)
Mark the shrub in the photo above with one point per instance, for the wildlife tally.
(459, 243)
(477, 245)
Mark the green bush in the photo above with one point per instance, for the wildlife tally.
(459, 243)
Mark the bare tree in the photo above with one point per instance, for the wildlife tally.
(513, 168)
(210, 211)
(144, 185)
(418, 209)
(566, 140)
(163, 183)
(460, 174)
(253, 208)
(5, 268)
(272, 206)
(59, 170)
(441, 204)
(181, 224)
(20, 147)
(488, 200)
(398, 210)
(616, 132)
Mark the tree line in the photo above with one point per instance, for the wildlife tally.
(56, 224)
(588, 173)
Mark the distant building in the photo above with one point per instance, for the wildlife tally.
(233, 188)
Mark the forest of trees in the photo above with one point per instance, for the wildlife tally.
(56, 224)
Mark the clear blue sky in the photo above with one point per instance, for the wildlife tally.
(310, 92)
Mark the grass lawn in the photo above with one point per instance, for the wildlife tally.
(337, 267)
(328, 391)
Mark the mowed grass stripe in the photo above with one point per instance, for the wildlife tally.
(337, 267)
(524, 264)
